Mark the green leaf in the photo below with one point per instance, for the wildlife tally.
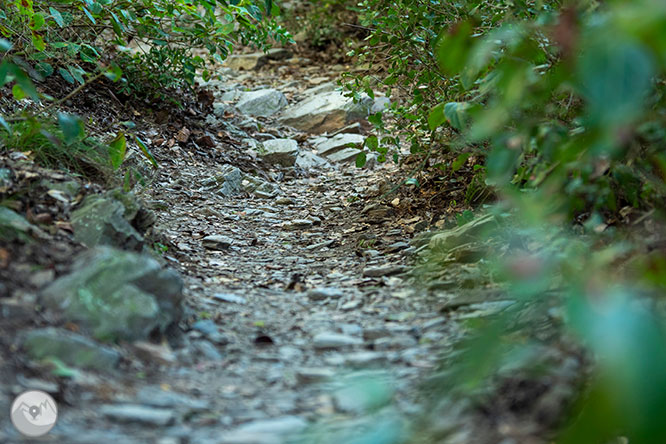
(376, 120)
(89, 15)
(71, 126)
(66, 75)
(452, 48)
(455, 113)
(117, 26)
(361, 159)
(37, 22)
(436, 117)
(412, 181)
(77, 73)
(38, 42)
(114, 73)
(22, 80)
(44, 68)
(372, 143)
(615, 78)
(459, 162)
(117, 150)
(146, 152)
(18, 92)
(127, 182)
(57, 17)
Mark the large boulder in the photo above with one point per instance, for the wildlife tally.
(326, 112)
(256, 60)
(117, 295)
(280, 151)
(106, 219)
(263, 102)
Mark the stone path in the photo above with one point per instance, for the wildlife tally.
(297, 320)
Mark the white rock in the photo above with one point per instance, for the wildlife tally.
(263, 102)
(280, 151)
(330, 340)
(337, 143)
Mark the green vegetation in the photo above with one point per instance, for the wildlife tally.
(559, 109)
(149, 49)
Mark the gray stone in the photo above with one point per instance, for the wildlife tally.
(265, 431)
(70, 348)
(362, 394)
(141, 414)
(337, 143)
(385, 270)
(323, 293)
(263, 102)
(314, 375)
(207, 349)
(156, 397)
(331, 340)
(345, 155)
(117, 295)
(209, 329)
(105, 219)
(229, 179)
(256, 60)
(14, 226)
(297, 224)
(280, 151)
(323, 88)
(259, 187)
(365, 359)
(217, 242)
(307, 161)
(395, 343)
(320, 113)
(397, 246)
(371, 333)
(230, 298)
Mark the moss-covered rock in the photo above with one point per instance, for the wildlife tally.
(117, 295)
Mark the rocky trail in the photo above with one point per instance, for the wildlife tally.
(295, 311)
(257, 288)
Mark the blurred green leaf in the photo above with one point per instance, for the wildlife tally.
(72, 127)
(117, 150)
(360, 159)
(146, 152)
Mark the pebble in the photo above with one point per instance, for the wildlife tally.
(323, 293)
(217, 242)
(230, 298)
(311, 375)
(385, 270)
(330, 340)
(207, 349)
(365, 359)
(129, 413)
(298, 224)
